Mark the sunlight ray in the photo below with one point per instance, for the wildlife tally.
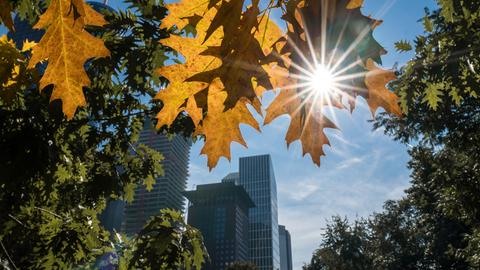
(352, 46)
(351, 76)
(346, 86)
(323, 37)
(339, 39)
(310, 43)
(300, 53)
(348, 67)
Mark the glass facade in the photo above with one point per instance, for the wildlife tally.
(167, 191)
(220, 212)
(258, 179)
(285, 248)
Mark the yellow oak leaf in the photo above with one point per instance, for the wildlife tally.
(179, 13)
(268, 35)
(307, 123)
(67, 46)
(179, 95)
(222, 127)
(378, 94)
(6, 14)
(241, 54)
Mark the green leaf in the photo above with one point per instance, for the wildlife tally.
(433, 94)
(427, 24)
(447, 9)
(455, 96)
(129, 192)
(403, 46)
(149, 182)
(62, 173)
(403, 101)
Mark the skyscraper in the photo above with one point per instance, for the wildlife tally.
(258, 179)
(285, 248)
(167, 191)
(220, 212)
(231, 178)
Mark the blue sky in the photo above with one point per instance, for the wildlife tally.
(361, 170)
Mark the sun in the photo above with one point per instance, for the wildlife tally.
(321, 80)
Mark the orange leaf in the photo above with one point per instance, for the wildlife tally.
(180, 92)
(306, 123)
(225, 69)
(378, 94)
(222, 127)
(67, 46)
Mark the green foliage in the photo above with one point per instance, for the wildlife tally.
(445, 60)
(403, 46)
(427, 24)
(343, 247)
(56, 175)
(447, 10)
(166, 242)
(433, 94)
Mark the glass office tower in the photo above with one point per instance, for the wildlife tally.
(285, 248)
(258, 179)
(168, 189)
(220, 212)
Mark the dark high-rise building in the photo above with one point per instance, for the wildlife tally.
(258, 179)
(220, 212)
(168, 189)
(232, 178)
(285, 248)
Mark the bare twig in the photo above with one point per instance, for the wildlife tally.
(8, 255)
(47, 211)
(18, 221)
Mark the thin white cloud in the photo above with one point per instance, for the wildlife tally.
(350, 162)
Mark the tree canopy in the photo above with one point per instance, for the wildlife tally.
(56, 176)
(436, 225)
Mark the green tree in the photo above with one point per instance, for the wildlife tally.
(439, 86)
(436, 226)
(165, 242)
(56, 176)
(343, 248)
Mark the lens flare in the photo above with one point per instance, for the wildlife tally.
(322, 80)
